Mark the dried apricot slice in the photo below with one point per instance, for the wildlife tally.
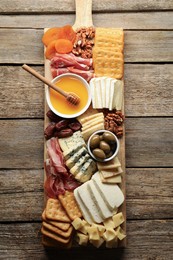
(51, 34)
(50, 50)
(63, 46)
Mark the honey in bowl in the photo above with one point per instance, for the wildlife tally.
(69, 83)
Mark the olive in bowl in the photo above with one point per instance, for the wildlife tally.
(103, 145)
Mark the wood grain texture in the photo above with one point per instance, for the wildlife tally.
(148, 91)
(43, 6)
(23, 241)
(141, 21)
(140, 46)
(148, 143)
(149, 194)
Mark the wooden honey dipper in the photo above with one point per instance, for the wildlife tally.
(70, 96)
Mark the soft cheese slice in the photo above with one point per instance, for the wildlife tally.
(87, 200)
(98, 94)
(103, 90)
(111, 94)
(118, 95)
(84, 210)
(97, 198)
(111, 193)
(107, 91)
(92, 90)
(75, 157)
(76, 168)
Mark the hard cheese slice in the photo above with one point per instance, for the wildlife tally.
(111, 193)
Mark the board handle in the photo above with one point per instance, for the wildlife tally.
(83, 14)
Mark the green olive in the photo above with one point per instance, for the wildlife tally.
(95, 141)
(105, 147)
(98, 153)
(108, 137)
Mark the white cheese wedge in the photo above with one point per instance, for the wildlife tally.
(98, 95)
(107, 91)
(111, 94)
(76, 168)
(97, 198)
(92, 91)
(103, 90)
(85, 213)
(111, 193)
(118, 95)
(87, 200)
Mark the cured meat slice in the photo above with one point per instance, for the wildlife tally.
(87, 75)
(66, 60)
(88, 62)
(56, 157)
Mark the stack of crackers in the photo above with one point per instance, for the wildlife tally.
(108, 58)
(56, 228)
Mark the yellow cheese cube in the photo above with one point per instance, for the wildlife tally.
(77, 223)
(101, 228)
(120, 233)
(108, 223)
(81, 239)
(93, 233)
(109, 234)
(118, 219)
(84, 226)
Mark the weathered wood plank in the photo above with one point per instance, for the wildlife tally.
(23, 241)
(140, 20)
(148, 143)
(148, 191)
(148, 91)
(53, 6)
(140, 46)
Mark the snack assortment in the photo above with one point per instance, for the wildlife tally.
(85, 195)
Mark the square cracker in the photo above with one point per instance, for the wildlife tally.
(69, 203)
(49, 242)
(64, 234)
(54, 236)
(61, 225)
(55, 211)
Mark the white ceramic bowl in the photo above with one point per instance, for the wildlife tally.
(85, 83)
(115, 151)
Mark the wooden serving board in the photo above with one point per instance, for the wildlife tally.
(84, 19)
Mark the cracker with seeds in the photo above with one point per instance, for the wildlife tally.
(61, 225)
(55, 211)
(69, 203)
(58, 231)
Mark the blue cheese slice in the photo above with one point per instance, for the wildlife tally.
(67, 142)
(71, 151)
(111, 193)
(86, 171)
(76, 168)
(75, 157)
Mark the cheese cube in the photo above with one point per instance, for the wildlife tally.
(77, 223)
(93, 233)
(118, 219)
(84, 227)
(81, 239)
(101, 228)
(108, 223)
(120, 233)
(109, 234)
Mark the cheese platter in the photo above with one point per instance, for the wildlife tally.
(84, 145)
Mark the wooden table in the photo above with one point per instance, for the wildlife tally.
(148, 28)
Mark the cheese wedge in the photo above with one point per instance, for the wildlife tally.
(118, 95)
(98, 200)
(110, 165)
(107, 91)
(85, 213)
(111, 173)
(86, 134)
(87, 200)
(72, 150)
(92, 123)
(86, 171)
(75, 157)
(67, 142)
(111, 193)
(76, 168)
(90, 117)
(113, 179)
